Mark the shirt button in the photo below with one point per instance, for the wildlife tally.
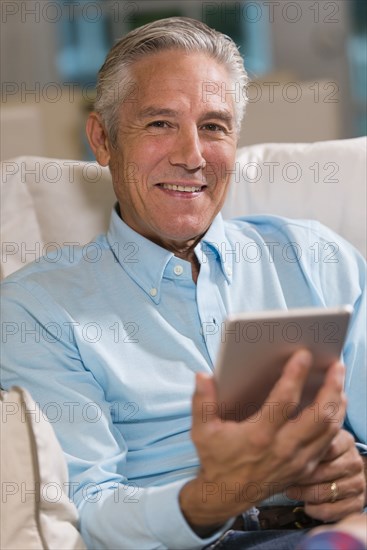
(153, 292)
(228, 271)
(178, 269)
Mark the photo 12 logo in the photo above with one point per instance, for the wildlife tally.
(271, 11)
(45, 11)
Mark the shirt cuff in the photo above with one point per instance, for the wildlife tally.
(166, 520)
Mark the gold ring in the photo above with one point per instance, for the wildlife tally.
(334, 491)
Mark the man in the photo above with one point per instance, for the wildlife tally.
(122, 338)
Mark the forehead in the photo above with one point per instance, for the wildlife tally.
(177, 76)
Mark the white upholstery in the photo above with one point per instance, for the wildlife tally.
(47, 203)
(325, 181)
(36, 513)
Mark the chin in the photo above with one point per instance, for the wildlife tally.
(183, 231)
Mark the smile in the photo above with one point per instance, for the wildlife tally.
(182, 188)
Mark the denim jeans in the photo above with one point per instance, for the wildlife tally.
(253, 538)
(259, 540)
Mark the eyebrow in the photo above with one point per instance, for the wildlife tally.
(222, 114)
(157, 111)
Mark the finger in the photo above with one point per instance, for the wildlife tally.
(287, 392)
(326, 414)
(342, 442)
(306, 438)
(331, 396)
(320, 493)
(204, 401)
(345, 465)
(335, 376)
(331, 512)
(205, 409)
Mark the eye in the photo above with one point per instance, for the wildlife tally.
(212, 127)
(158, 124)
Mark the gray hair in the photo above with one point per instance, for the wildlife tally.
(114, 79)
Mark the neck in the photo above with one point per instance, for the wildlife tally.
(183, 250)
(191, 257)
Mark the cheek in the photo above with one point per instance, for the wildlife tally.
(126, 175)
(148, 160)
(221, 151)
(220, 164)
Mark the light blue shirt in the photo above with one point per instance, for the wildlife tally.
(108, 339)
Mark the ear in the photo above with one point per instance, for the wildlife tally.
(98, 139)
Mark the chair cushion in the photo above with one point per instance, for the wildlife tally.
(36, 512)
(325, 181)
(48, 203)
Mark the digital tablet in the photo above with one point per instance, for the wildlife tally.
(255, 347)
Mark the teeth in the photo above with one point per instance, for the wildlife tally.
(185, 189)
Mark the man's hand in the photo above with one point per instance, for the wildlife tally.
(342, 466)
(364, 460)
(242, 463)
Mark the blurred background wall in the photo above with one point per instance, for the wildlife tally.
(306, 60)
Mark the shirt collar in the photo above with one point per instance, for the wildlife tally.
(215, 244)
(145, 262)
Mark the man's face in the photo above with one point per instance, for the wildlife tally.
(175, 148)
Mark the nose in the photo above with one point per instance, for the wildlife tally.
(187, 150)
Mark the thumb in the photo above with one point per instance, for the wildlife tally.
(204, 402)
(205, 386)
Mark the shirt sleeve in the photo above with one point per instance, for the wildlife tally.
(349, 281)
(40, 355)
(339, 271)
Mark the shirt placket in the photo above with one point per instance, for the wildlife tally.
(211, 308)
